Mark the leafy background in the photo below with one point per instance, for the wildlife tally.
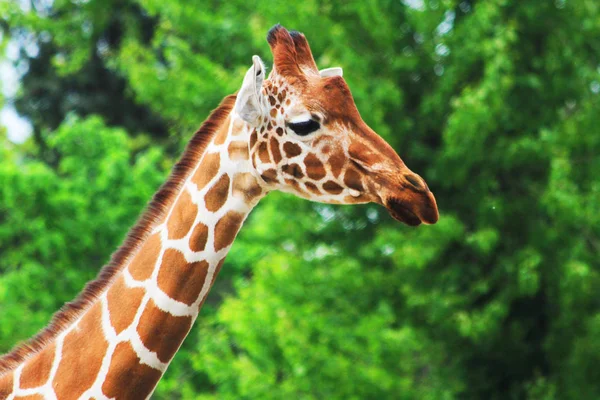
(496, 103)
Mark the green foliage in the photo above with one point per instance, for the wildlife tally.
(495, 103)
(60, 224)
(67, 66)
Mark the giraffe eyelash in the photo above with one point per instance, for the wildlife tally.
(305, 127)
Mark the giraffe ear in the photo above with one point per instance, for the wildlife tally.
(327, 72)
(249, 104)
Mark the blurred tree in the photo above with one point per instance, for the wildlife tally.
(65, 50)
(495, 103)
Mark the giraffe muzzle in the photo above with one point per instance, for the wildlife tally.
(413, 213)
(413, 203)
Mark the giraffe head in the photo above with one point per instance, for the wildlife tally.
(308, 138)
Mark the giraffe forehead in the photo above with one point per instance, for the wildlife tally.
(330, 96)
(281, 96)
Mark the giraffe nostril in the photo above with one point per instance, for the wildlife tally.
(416, 181)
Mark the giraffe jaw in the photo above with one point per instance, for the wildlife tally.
(401, 213)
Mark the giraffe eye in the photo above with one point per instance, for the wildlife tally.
(305, 127)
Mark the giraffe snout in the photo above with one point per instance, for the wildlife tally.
(415, 182)
(409, 200)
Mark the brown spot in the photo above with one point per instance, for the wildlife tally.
(363, 153)
(263, 152)
(207, 170)
(180, 280)
(279, 131)
(288, 102)
(182, 216)
(127, 378)
(162, 332)
(238, 126)
(312, 187)
(293, 169)
(253, 138)
(123, 303)
(314, 167)
(142, 265)
(199, 237)
(212, 282)
(280, 97)
(291, 149)
(273, 112)
(37, 369)
(227, 228)
(293, 183)
(332, 187)
(284, 93)
(277, 106)
(269, 176)
(352, 179)
(336, 162)
(269, 126)
(245, 186)
(6, 385)
(262, 129)
(217, 195)
(238, 150)
(355, 199)
(275, 150)
(272, 100)
(84, 348)
(326, 149)
(222, 134)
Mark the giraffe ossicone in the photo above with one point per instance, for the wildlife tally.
(335, 71)
(297, 131)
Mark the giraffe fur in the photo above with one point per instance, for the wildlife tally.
(297, 131)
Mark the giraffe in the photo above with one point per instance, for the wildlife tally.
(296, 131)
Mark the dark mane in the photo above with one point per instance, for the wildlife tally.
(154, 212)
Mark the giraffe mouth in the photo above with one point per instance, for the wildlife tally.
(413, 210)
(401, 212)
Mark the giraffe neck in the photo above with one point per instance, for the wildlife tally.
(122, 344)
